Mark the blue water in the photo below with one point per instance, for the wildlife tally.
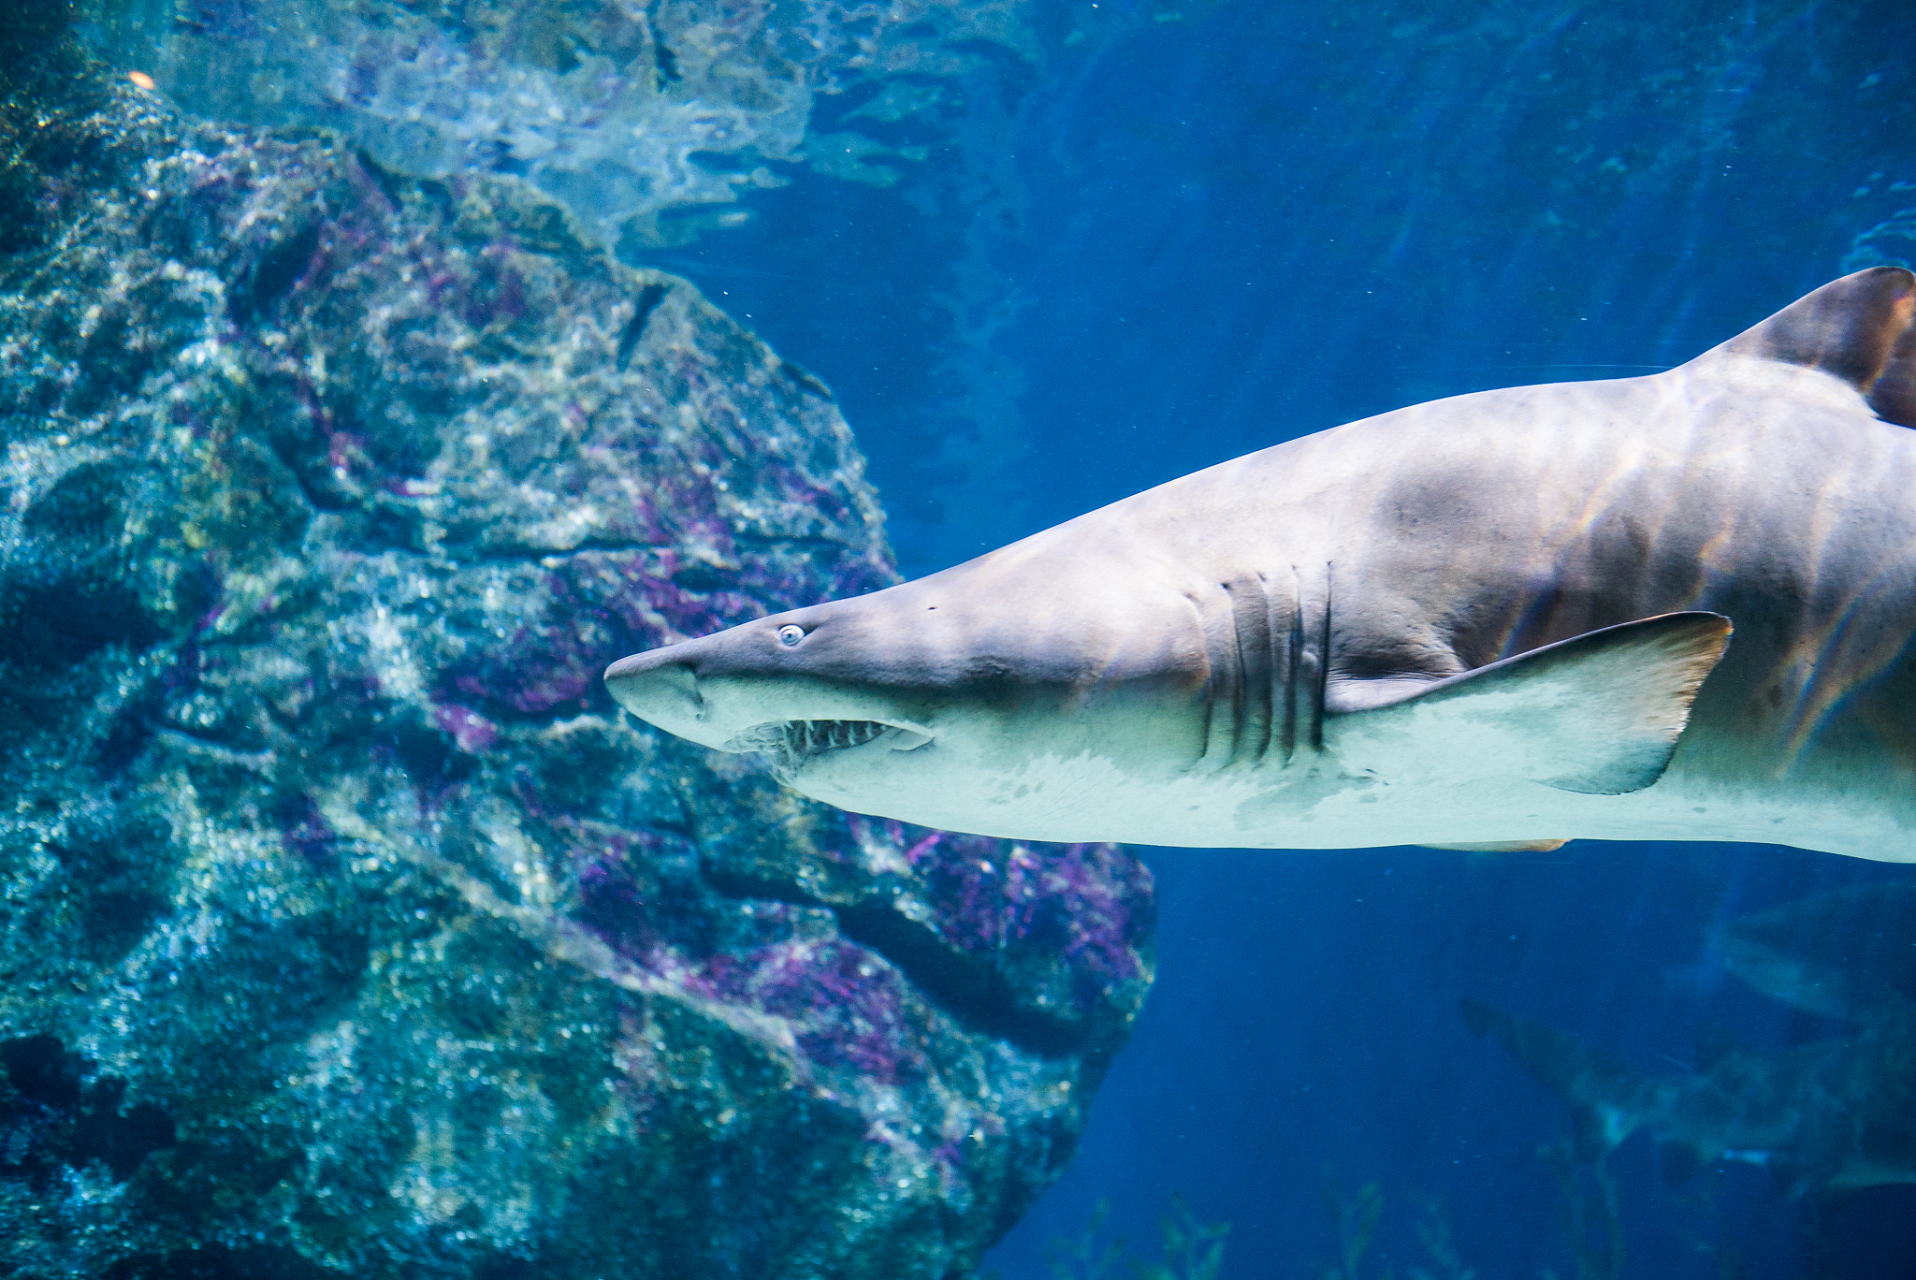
(1305, 1024)
(1238, 229)
(1261, 221)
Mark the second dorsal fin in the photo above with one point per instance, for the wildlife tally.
(1862, 328)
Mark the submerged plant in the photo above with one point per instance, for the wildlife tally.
(1082, 1259)
(1433, 1230)
(1591, 1222)
(1188, 1249)
(1192, 1250)
(1358, 1216)
(1356, 1219)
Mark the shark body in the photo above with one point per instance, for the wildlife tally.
(1501, 619)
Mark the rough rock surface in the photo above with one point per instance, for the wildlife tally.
(348, 928)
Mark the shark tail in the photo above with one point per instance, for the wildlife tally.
(1608, 1100)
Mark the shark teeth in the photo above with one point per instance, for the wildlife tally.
(792, 742)
(808, 736)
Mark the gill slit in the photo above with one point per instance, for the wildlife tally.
(1257, 667)
(1267, 689)
(1292, 668)
(1321, 685)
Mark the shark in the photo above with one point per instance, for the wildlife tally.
(1828, 1115)
(1671, 607)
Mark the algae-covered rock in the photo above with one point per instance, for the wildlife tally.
(348, 927)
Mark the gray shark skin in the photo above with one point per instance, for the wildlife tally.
(1832, 1115)
(1484, 621)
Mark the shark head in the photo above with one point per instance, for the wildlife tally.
(966, 699)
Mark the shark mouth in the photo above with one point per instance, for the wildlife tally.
(791, 743)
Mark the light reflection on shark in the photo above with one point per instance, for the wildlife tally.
(1480, 621)
(1832, 1115)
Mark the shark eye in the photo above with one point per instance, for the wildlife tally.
(790, 634)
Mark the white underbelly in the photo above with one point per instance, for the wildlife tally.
(1315, 806)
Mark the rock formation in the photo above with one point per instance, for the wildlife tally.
(348, 927)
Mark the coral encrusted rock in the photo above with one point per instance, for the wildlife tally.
(348, 927)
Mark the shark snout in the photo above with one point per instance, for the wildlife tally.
(662, 688)
(731, 690)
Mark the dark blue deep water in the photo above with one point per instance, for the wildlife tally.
(1261, 221)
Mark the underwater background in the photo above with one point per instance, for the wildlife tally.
(1260, 220)
(1039, 256)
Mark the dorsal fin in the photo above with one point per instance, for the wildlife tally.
(1858, 328)
(1894, 395)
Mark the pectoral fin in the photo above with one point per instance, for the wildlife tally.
(1599, 713)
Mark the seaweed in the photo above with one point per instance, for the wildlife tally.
(1356, 1216)
(1188, 1248)
(1588, 1209)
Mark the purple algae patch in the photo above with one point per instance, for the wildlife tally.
(532, 674)
(471, 732)
(598, 607)
(1091, 905)
(852, 1007)
(498, 292)
(304, 830)
(638, 892)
